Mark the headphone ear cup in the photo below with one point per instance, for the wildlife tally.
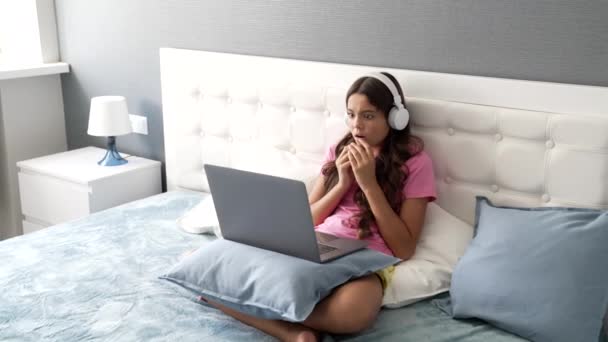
(398, 118)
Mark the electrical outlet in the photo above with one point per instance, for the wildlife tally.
(139, 124)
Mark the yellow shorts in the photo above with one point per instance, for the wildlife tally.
(386, 275)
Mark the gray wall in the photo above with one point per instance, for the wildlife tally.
(112, 45)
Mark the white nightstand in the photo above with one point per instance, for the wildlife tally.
(70, 185)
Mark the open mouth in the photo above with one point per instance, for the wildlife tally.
(359, 136)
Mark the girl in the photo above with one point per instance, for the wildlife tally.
(375, 185)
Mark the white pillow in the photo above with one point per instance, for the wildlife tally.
(201, 219)
(443, 241)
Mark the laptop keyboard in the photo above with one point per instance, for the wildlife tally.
(325, 248)
(322, 237)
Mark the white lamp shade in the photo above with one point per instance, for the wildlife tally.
(109, 116)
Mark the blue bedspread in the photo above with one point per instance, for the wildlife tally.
(97, 279)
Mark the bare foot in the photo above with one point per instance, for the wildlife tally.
(305, 336)
(285, 331)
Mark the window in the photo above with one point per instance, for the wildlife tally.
(1, 46)
(28, 32)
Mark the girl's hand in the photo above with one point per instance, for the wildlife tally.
(345, 171)
(363, 164)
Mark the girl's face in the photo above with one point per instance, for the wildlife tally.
(365, 121)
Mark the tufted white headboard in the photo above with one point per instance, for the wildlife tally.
(518, 142)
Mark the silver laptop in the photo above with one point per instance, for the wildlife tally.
(271, 213)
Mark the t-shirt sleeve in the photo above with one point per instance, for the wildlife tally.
(420, 182)
(330, 154)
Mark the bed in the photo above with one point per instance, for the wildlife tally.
(516, 142)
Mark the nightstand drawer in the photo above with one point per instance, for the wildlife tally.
(52, 200)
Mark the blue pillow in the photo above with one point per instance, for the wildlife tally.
(267, 284)
(541, 273)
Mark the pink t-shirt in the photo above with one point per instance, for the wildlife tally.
(420, 183)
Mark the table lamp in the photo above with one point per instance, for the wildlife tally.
(109, 117)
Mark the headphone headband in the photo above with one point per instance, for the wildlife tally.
(390, 85)
(398, 116)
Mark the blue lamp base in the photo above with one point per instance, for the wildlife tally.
(112, 158)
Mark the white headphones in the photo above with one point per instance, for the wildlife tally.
(398, 116)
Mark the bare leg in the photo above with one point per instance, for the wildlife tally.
(351, 308)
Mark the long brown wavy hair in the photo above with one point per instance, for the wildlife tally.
(397, 148)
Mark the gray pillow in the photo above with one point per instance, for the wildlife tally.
(267, 284)
(541, 273)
